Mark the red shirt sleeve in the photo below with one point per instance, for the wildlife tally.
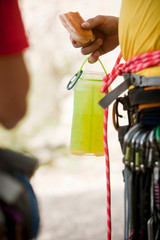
(12, 33)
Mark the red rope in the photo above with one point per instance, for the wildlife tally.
(133, 65)
(107, 174)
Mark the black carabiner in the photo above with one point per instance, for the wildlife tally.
(74, 80)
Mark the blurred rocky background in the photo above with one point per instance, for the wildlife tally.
(71, 189)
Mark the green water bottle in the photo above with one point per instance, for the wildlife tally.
(87, 122)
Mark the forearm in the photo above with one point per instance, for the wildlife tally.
(14, 86)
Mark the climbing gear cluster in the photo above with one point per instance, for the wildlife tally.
(142, 182)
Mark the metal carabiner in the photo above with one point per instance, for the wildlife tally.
(150, 146)
(74, 80)
(136, 162)
(142, 150)
(127, 142)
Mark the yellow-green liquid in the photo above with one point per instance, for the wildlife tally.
(87, 123)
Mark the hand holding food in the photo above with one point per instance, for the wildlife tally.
(72, 22)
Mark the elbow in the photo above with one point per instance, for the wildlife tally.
(13, 115)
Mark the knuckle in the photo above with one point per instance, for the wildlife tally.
(98, 16)
(83, 51)
(76, 45)
(99, 41)
(90, 20)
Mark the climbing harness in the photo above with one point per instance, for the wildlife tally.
(140, 145)
(19, 213)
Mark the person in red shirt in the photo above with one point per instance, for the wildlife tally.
(14, 79)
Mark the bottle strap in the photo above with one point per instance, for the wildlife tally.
(76, 77)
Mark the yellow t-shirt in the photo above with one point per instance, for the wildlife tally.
(139, 30)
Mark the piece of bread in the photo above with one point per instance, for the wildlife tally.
(72, 22)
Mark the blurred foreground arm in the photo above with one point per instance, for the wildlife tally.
(105, 29)
(14, 80)
(14, 85)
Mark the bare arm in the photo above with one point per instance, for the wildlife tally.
(14, 85)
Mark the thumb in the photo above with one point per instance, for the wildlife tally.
(86, 25)
(94, 22)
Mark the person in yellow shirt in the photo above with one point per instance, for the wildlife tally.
(137, 30)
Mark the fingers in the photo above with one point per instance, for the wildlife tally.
(75, 44)
(94, 57)
(106, 24)
(92, 47)
(89, 49)
(94, 22)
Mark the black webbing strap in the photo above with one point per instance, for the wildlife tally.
(140, 96)
(129, 79)
(111, 96)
